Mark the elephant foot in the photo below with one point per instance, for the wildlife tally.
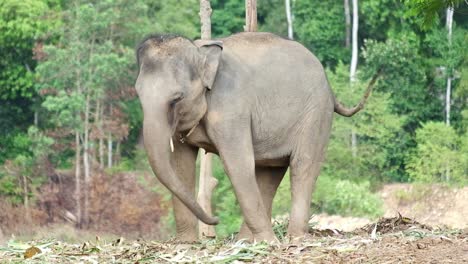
(268, 237)
(186, 238)
(297, 236)
(247, 236)
(245, 233)
(296, 239)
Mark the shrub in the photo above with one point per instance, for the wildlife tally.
(347, 198)
(334, 196)
(440, 155)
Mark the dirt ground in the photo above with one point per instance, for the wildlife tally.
(440, 235)
(390, 240)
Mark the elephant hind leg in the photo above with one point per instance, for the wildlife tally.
(305, 165)
(268, 180)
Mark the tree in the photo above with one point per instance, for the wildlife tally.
(79, 79)
(207, 182)
(30, 168)
(448, 25)
(250, 16)
(353, 66)
(348, 23)
(289, 18)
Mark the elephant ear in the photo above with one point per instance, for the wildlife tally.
(211, 55)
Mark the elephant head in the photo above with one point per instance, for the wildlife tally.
(174, 75)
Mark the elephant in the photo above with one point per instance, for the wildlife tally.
(261, 102)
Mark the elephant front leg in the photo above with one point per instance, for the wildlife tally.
(183, 161)
(238, 159)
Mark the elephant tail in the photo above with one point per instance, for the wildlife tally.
(348, 112)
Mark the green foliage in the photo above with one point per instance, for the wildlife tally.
(448, 60)
(34, 149)
(411, 96)
(21, 23)
(320, 26)
(228, 17)
(173, 16)
(440, 156)
(282, 200)
(333, 196)
(347, 198)
(404, 77)
(272, 17)
(429, 10)
(132, 109)
(379, 19)
(9, 187)
(227, 208)
(376, 128)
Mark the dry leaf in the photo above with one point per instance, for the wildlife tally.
(30, 252)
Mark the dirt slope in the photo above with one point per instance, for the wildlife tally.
(435, 205)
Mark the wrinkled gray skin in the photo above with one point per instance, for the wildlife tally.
(261, 102)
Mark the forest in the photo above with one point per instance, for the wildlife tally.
(71, 154)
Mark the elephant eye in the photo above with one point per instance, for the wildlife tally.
(176, 98)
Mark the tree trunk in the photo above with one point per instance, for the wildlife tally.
(448, 92)
(86, 165)
(117, 153)
(289, 18)
(448, 25)
(205, 19)
(348, 23)
(109, 150)
(24, 179)
(78, 178)
(354, 55)
(250, 16)
(98, 122)
(109, 144)
(207, 182)
(353, 67)
(36, 118)
(101, 139)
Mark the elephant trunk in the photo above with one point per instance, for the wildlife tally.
(158, 147)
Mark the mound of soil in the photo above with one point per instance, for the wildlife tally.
(435, 205)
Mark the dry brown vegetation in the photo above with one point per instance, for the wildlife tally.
(120, 204)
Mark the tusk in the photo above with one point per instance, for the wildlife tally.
(172, 144)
